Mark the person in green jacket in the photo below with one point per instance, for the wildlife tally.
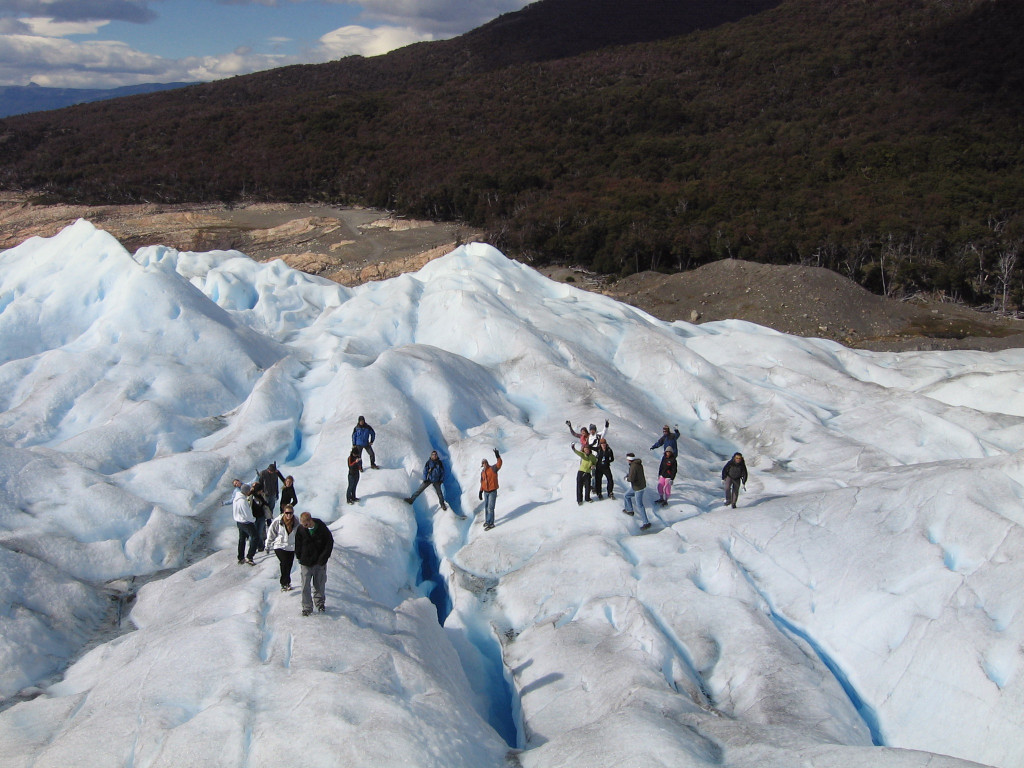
(583, 478)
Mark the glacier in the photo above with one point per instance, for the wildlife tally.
(860, 607)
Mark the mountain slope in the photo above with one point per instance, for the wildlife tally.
(880, 139)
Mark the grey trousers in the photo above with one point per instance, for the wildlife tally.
(317, 575)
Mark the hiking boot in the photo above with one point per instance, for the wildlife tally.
(444, 506)
(734, 505)
(628, 512)
(488, 526)
(611, 495)
(322, 609)
(307, 611)
(599, 497)
(286, 588)
(250, 561)
(645, 526)
(241, 560)
(409, 499)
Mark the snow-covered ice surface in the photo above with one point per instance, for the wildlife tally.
(861, 607)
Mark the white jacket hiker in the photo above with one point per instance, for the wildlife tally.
(279, 538)
(240, 509)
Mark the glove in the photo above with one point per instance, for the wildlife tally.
(606, 423)
(481, 495)
(568, 424)
(496, 454)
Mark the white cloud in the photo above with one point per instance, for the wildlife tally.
(104, 56)
(363, 41)
(239, 62)
(34, 49)
(48, 27)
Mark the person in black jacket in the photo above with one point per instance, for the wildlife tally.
(268, 478)
(603, 467)
(734, 473)
(433, 474)
(355, 466)
(313, 546)
(288, 495)
(261, 510)
(666, 474)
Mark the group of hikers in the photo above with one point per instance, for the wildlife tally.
(595, 475)
(309, 540)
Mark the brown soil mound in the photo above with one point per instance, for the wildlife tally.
(810, 301)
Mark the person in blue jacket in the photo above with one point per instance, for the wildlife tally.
(668, 440)
(433, 474)
(362, 438)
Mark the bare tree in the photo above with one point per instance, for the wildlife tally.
(1006, 265)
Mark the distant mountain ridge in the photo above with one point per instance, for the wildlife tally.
(557, 29)
(22, 99)
(882, 140)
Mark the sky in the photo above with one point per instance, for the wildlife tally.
(111, 43)
(860, 603)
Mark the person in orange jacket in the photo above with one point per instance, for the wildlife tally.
(489, 488)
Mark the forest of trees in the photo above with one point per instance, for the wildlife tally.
(883, 140)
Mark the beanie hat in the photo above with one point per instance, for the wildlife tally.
(630, 456)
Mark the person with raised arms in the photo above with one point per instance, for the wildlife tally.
(489, 488)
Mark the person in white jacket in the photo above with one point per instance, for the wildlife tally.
(281, 541)
(242, 513)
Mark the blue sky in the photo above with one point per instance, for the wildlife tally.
(108, 43)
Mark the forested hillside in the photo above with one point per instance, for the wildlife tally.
(881, 139)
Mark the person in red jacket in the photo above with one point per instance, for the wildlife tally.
(489, 488)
